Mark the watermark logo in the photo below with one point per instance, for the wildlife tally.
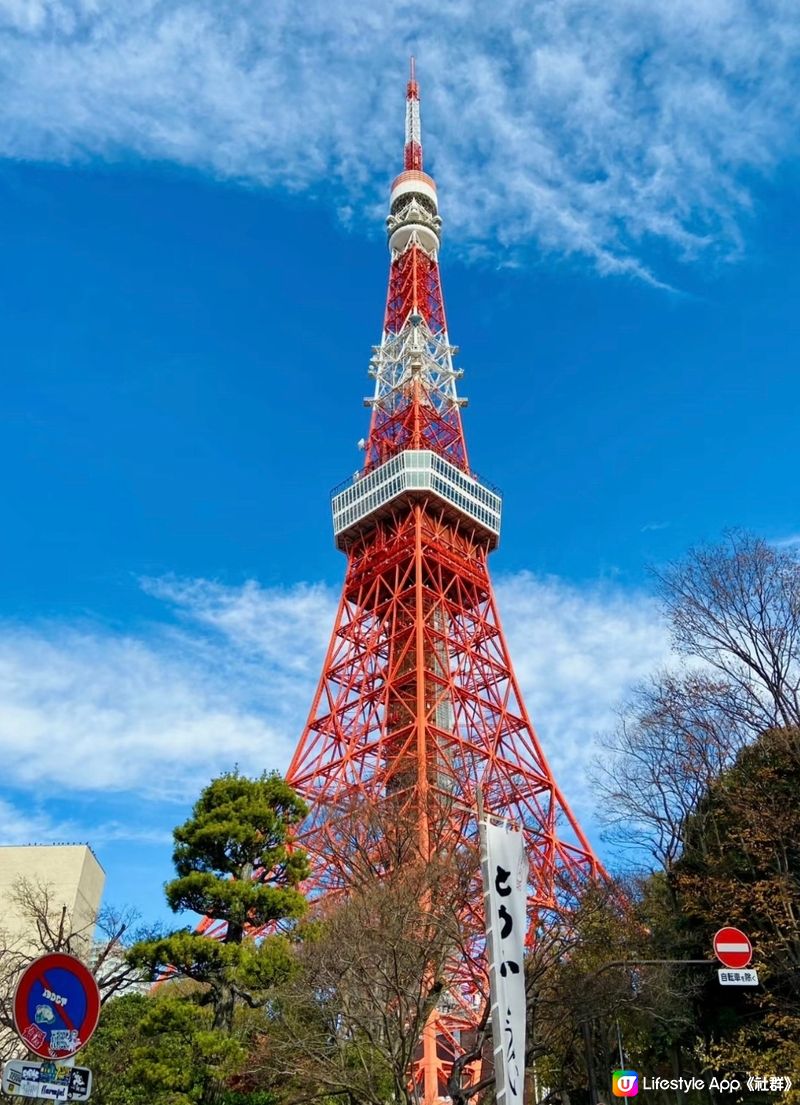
(625, 1083)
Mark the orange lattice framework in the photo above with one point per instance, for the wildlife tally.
(418, 699)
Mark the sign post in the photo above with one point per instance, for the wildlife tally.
(733, 949)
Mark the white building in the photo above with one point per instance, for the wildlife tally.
(72, 878)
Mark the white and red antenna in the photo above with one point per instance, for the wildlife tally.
(413, 151)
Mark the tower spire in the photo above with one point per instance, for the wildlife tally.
(415, 404)
(413, 149)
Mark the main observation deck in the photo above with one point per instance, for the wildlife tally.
(415, 474)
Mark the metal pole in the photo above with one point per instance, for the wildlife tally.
(619, 1044)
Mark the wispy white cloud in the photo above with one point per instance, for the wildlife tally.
(86, 710)
(588, 127)
(577, 652)
(26, 822)
(27, 826)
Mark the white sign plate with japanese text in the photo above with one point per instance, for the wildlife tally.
(505, 882)
(745, 977)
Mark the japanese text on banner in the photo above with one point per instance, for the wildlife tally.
(505, 878)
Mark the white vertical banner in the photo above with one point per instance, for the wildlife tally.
(505, 895)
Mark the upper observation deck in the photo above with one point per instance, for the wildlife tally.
(412, 475)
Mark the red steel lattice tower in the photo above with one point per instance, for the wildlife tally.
(418, 699)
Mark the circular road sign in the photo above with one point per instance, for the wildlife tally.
(56, 1005)
(733, 948)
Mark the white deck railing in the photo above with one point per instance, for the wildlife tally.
(415, 470)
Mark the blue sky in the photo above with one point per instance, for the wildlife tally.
(194, 269)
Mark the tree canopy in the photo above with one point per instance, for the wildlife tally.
(237, 865)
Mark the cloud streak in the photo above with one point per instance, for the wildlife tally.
(589, 128)
(228, 674)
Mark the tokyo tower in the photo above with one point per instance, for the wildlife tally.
(418, 701)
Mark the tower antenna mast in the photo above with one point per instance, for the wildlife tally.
(412, 156)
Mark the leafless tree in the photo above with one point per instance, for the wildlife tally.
(48, 927)
(370, 973)
(675, 735)
(736, 607)
(734, 610)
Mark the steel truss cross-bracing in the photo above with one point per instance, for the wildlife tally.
(418, 702)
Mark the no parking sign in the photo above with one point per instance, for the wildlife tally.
(56, 1005)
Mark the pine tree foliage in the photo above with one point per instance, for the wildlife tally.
(236, 864)
(161, 1049)
(238, 827)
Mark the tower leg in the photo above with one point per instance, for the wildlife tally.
(430, 1063)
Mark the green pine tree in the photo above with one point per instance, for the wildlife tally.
(236, 865)
(160, 1049)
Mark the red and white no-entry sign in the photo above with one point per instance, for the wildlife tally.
(733, 948)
